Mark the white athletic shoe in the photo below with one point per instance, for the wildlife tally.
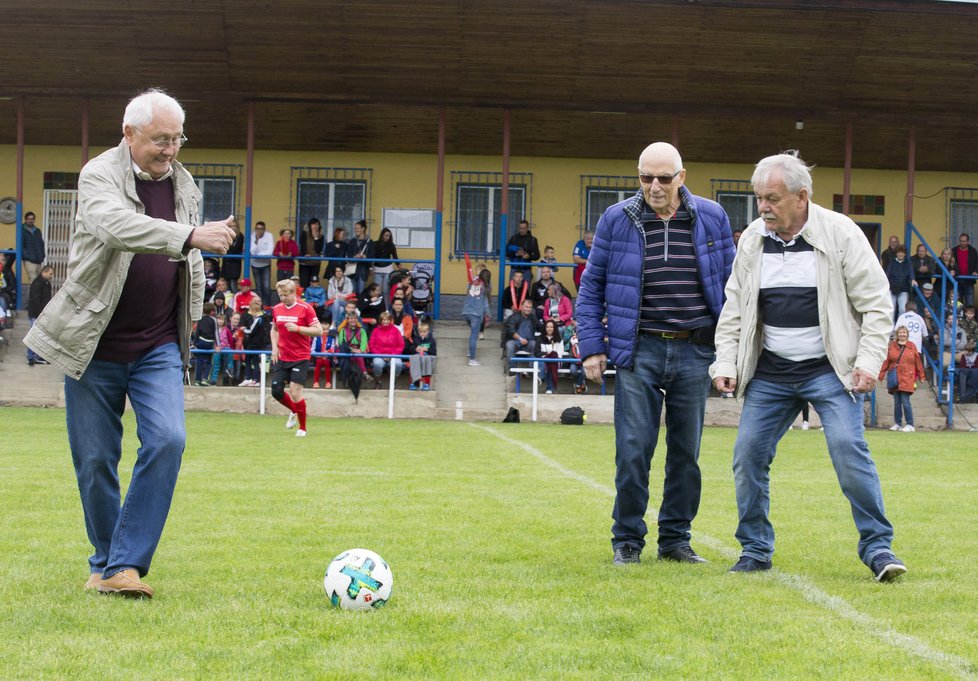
(550, 392)
(895, 427)
(300, 433)
(293, 420)
(475, 363)
(804, 425)
(908, 428)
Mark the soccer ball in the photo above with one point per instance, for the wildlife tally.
(358, 579)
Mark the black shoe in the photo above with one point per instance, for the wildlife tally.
(887, 567)
(625, 555)
(30, 362)
(748, 564)
(682, 554)
(41, 360)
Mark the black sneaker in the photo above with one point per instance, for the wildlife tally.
(748, 564)
(887, 567)
(682, 554)
(625, 554)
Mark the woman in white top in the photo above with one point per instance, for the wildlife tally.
(340, 286)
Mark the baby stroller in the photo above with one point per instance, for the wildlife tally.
(422, 280)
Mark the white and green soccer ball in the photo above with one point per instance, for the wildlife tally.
(358, 579)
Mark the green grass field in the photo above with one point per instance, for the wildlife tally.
(498, 536)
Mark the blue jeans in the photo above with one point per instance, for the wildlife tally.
(261, 283)
(674, 373)
(127, 537)
(902, 408)
(31, 355)
(769, 408)
(475, 323)
(203, 360)
(396, 364)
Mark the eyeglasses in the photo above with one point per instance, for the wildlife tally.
(663, 179)
(163, 142)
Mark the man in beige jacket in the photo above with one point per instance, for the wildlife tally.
(120, 326)
(806, 319)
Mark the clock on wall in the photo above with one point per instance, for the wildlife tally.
(8, 210)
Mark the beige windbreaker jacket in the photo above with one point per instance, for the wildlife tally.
(854, 307)
(110, 228)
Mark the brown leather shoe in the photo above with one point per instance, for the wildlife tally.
(94, 580)
(126, 583)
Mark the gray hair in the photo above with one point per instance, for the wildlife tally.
(795, 174)
(140, 111)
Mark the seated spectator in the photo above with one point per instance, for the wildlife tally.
(285, 246)
(556, 306)
(401, 287)
(520, 331)
(256, 326)
(538, 292)
(423, 360)
(315, 295)
(222, 287)
(549, 259)
(571, 349)
(244, 296)
(386, 340)
(968, 373)
(958, 335)
(338, 292)
(223, 360)
(350, 309)
(371, 306)
(514, 295)
(550, 345)
(969, 324)
(205, 339)
(326, 343)
(352, 338)
(220, 305)
(402, 319)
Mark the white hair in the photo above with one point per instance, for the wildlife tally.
(795, 174)
(140, 111)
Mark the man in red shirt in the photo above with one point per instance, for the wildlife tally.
(294, 323)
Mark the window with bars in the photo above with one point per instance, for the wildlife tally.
(600, 192)
(478, 201)
(962, 218)
(217, 197)
(736, 197)
(339, 197)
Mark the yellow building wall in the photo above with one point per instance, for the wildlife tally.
(409, 181)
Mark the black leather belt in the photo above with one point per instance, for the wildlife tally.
(669, 335)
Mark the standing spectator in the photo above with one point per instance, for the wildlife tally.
(220, 306)
(361, 248)
(38, 296)
(326, 343)
(231, 267)
(900, 276)
(572, 349)
(223, 359)
(475, 310)
(549, 259)
(336, 250)
(385, 248)
(737, 234)
(890, 252)
(902, 355)
(294, 325)
(338, 292)
(966, 260)
(244, 296)
(311, 243)
(806, 319)
(522, 247)
(134, 287)
(385, 339)
(285, 246)
(914, 323)
(205, 339)
(968, 373)
(210, 278)
(237, 342)
(8, 288)
(425, 354)
(517, 292)
(582, 249)
(262, 246)
(520, 333)
(220, 286)
(661, 316)
(486, 276)
(254, 325)
(923, 266)
(550, 345)
(32, 248)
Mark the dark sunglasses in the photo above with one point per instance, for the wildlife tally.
(663, 179)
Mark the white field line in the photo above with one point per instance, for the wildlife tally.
(960, 667)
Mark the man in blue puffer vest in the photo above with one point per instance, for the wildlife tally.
(657, 269)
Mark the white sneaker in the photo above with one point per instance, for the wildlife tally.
(908, 428)
(300, 433)
(244, 384)
(475, 363)
(293, 420)
(482, 336)
(550, 392)
(895, 427)
(804, 425)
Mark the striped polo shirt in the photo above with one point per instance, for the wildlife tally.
(788, 303)
(672, 296)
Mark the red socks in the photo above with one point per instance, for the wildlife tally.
(287, 402)
(300, 409)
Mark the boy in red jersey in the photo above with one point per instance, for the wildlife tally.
(294, 324)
